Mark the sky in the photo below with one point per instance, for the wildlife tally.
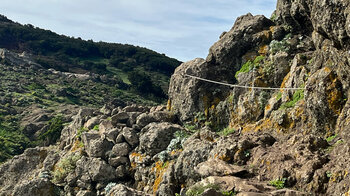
(182, 29)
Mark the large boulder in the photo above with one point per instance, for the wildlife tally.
(96, 146)
(122, 190)
(120, 149)
(94, 170)
(155, 116)
(217, 167)
(196, 150)
(155, 137)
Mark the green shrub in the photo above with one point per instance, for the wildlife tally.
(228, 193)
(263, 99)
(230, 98)
(249, 65)
(54, 131)
(297, 96)
(246, 67)
(278, 183)
(280, 46)
(227, 131)
(64, 167)
(96, 128)
(81, 131)
(35, 86)
(273, 17)
(279, 96)
(331, 138)
(175, 144)
(191, 127)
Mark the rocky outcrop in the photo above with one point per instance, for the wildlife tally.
(306, 47)
(225, 57)
(18, 59)
(213, 140)
(327, 18)
(29, 173)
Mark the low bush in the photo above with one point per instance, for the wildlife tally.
(249, 65)
(227, 131)
(64, 167)
(278, 183)
(280, 46)
(54, 131)
(297, 96)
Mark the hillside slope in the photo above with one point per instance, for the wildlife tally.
(75, 55)
(45, 76)
(216, 139)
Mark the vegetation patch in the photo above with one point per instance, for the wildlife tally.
(12, 140)
(279, 96)
(11, 143)
(227, 131)
(331, 138)
(249, 65)
(198, 189)
(64, 167)
(54, 131)
(96, 128)
(297, 96)
(228, 193)
(280, 46)
(81, 131)
(174, 146)
(278, 183)
(191, 127)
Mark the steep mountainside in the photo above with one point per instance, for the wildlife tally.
(282, 130)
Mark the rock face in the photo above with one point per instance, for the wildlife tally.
(224, 59)
(16, 59)
(28, 173)
(213, 140)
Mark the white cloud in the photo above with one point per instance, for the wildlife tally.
(179, 28)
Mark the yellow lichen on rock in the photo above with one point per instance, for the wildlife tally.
(168, 106)
(135, 158)
(176, 151)
(159, 170)
(263, 50)
(286, 78)
(77, 146)
(224, 158)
